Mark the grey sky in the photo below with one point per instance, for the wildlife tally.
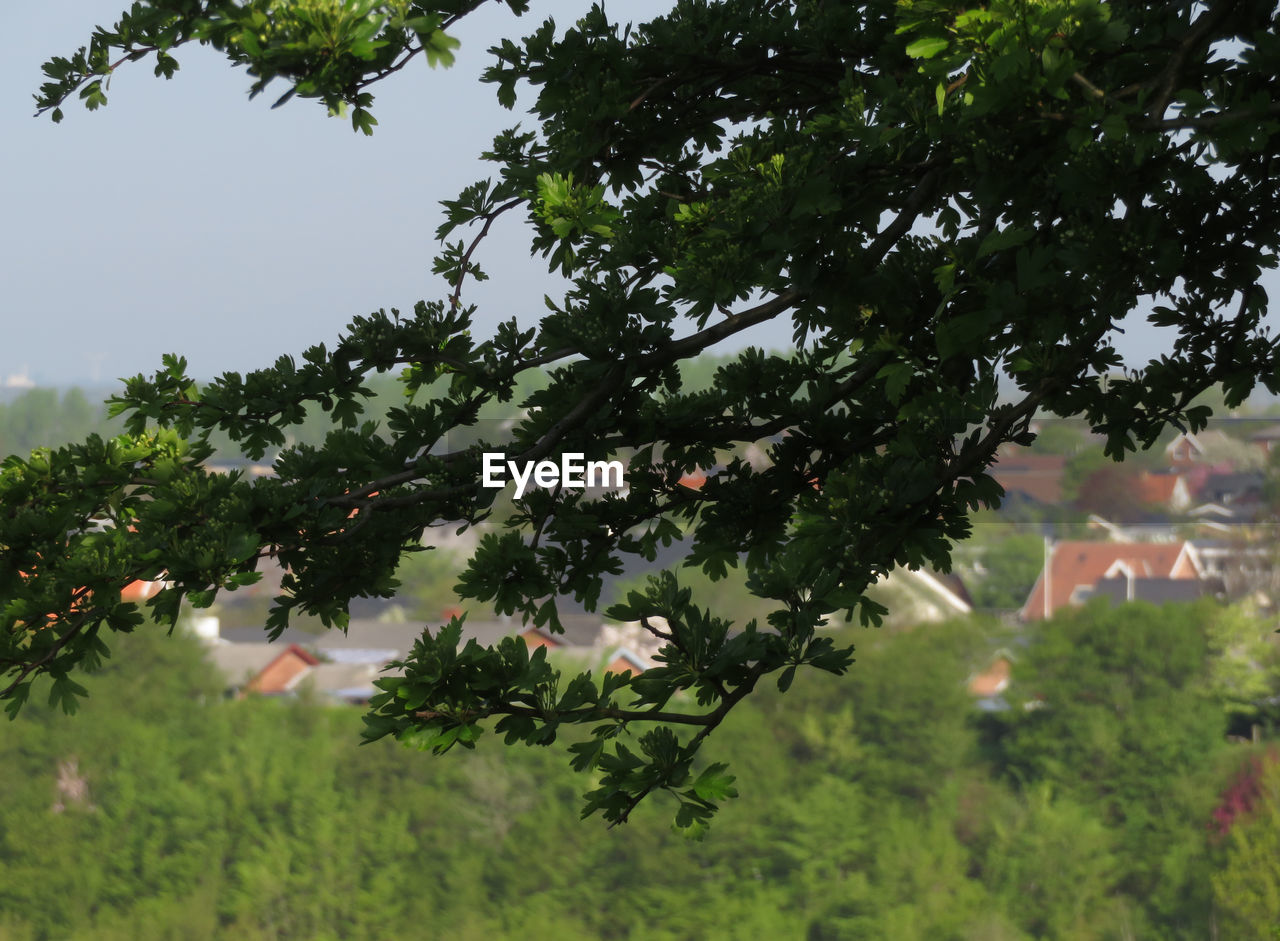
(182, 218)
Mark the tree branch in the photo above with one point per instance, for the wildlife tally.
(1167, 80)
(465, 264)
(1215, 119)
(56, 649)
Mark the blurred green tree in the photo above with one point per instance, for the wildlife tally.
(1247, 888)
(1114, 713)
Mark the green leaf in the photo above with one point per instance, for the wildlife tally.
(362, 120)
(691, 820)
(785, 678)
(17, 698)
(714, 785)
(1001, 240)
(439, 48)
(927, 47)
(896, 377)
(1115, 127)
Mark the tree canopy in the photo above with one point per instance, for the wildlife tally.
(952, 207)
(162, 811)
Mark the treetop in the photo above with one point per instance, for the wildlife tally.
(953, 207)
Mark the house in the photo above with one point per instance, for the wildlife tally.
(916, 596)
(1074, 569)
(342, 682)
(1221, 558)
(1198, 448)
(945, 589)
(367, 641)
(1037, 476)
(342, 666)
(262, 668)
(579, 631)
(1266, 439)
(1164, 490)
(634, 637)
(379, 642)
(1231, 499)
(1212, 518)
(625, 660)
(1227, 489)
(1128, 587)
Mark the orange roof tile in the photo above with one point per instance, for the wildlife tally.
(991, 681)
(1155, 488)
(279, 675)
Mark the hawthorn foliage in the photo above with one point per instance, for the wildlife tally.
(951, 205)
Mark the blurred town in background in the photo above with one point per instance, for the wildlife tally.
(1071, 734)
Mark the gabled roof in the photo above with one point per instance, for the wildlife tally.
(245, 665)
(626, 660)
(240, 663)
(1161, 489)
(1197, 444)
(579, 631)
(1076, 566)
(947, 587)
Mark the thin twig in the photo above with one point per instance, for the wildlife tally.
(465, 264)
(1087, 85)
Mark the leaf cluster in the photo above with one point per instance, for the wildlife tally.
(952, 208)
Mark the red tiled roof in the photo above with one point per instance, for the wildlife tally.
(1155, 488)
(278, 675)
(536, 637)
(1073, 564)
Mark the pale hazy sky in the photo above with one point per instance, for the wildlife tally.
(183, 218)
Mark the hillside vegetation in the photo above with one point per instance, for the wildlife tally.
(1105, 802)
